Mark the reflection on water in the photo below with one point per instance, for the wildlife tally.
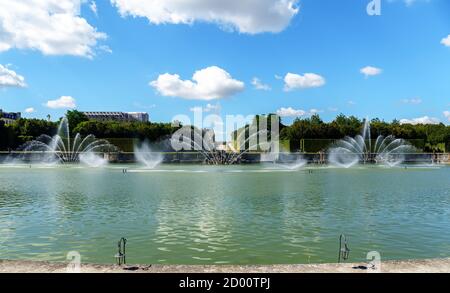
(214, 214)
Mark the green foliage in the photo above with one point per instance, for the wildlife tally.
(115, 129)
(312, 133)
(427, 137)
(23, 130)
(75, 117)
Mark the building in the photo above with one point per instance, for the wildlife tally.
(9, 118)
(139, 116)
(118, 116)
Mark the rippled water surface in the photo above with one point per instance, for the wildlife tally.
(224, 215)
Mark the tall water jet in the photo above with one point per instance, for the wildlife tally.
(202, 142)
(63, 149)
(389, 151)
(260, 137)
(145, 156)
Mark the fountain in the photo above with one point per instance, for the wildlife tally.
(92, 160)
(62, 149)
(144, 155)
(296, 165)
(388, 151)
(203, 143)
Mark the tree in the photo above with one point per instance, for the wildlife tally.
(75, 117)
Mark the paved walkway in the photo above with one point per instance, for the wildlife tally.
(407, 266)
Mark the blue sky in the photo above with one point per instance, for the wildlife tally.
(117, 62)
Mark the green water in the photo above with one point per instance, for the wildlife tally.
(223, 215)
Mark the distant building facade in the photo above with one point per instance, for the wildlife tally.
(118, 116)
(9, 118)
(139, 116)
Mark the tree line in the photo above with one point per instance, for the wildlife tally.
(318, 135)
(23, 130)
(429, 138)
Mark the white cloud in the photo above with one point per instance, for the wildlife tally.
(30, 110)
(409, 3)
(207, 84)
(420, 120)
(413, 101)
(64, 102)
(208, 108)
(105, 49)
(9, 78)
(258, 85)
(315, 111)
(333, 109)
(294, 81)
(447, 115)
(53, 27)
(351, 103)
(245, 16)
(446, 41)
(371, 71)
(291, 112)
(93, 7)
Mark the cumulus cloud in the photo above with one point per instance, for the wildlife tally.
(64, 102)
(420, 120)
(294, 81)
(413, 101)
(53, 27)
(9, 78)
(446, 41)
(30, 110)
(245, 16)
(258, 85)
(447, 115)
(207, 84)
(371, 71)
(291, 112)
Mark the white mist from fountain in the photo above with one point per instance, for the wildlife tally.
(62, 149)
(93, 160)
(145, 156)
(388, 151)
(296, 165)
(283, 159)
(243, 144)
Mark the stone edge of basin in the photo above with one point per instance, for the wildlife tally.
(400, 266)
